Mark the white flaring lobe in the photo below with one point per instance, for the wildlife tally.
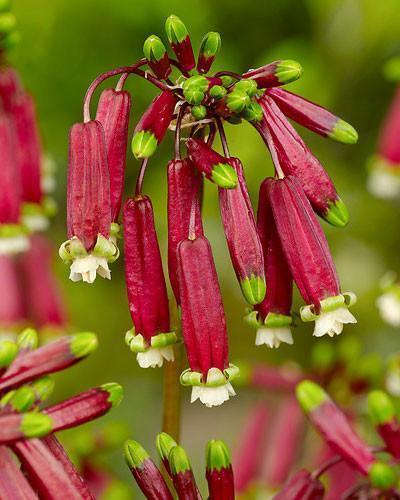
(13, 245)
(382, 183)
(212, 396)
(86, 268)
(331, 322)
(272, 337)
(389, 308)
(154, 356)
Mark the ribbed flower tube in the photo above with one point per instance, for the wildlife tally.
(302, 486)
(272, 316)
(113, 113)
(13, 483)
(10, 87)
(294, 158)
(150, 336)
(242, 237)
(203, 324)
(153, 124)
(309, 259)
(90, 246)
(179, 40)
(314, 117)
(12, 308)
(275, 73)
(184, 187)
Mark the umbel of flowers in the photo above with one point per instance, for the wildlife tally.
(285, 243)
(27, 428)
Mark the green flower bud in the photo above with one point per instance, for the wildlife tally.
(247, 86)
(199, 112)
(217, 92)
(175, 29)
(154, 49)
(237, 100)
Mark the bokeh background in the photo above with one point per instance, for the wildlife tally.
(342, 45)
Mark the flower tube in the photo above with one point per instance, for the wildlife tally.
(179, 40)
(12, 309)
(157, 57)
(219, 471)
(150, 336)
(275, 73)
(302, 486)
(272, 317)
(209, 48)
(90, 246)
(309, 259)
(182, 474)
(13, 483)
(383, 415)
(242, 237)
(203, 325)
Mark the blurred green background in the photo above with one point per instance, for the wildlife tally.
(342, 45)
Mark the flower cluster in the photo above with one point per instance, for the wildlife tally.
(27, 430)
(284, 243)
(219, 473)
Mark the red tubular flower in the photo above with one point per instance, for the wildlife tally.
(150, 336)
(219, 472)
(314, 117)
(89, 248)
(12, 310)
(184, 186)
(209, 48)
(210, 163)
(334, 427)
(309, 259)
(10, 87)
(203, 324)
(13, 483)
(157, 57)
(301, 486)
(294, 158)
(242, 237)
(383, 414)
(48, 475)
(44, 303)
(182, 474)
(275, 73)
(15, 427)
(272, 317)
(179, 40)
(249, 450)
(113, 113)
(154, 123)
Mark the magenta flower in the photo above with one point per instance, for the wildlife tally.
(209, 48)
(157, 57)
(242, 237)
(10, 87)
(275, 74)
(179, 40)
(272, 316)
(113, 113)
(307, 254)
(12, 309)
(184, 190)
(383, 415)
(90, 246)
(203, 325)
(302, 486)
(150, 336)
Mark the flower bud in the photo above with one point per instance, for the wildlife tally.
(184, 187)
(314, 117)
(383, 476)
(8, 352)
(247, 86)
(219, 471)
(214, 166)
(306, 250)
(199, 112)
(89, 248)
(179, 40)
(154, 123)
(253, 112)
(157, 58)
(242, 237)
(237, 100)
(194, 89)
(302, 486)
(383, 415)
(333, 426)
(164, 444)
(26, 425)
(150, 337)
(182, 474)
(217, 92)
(203, 324)
(295, 158)
(275, 74)
(210, 46)
(113, 113)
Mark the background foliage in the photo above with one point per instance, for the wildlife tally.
(341, 44)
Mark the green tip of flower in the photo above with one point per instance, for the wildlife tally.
(135, 454)
(43, 387)
(22, 399)
(83, 344)
(337, 214)
(248, 86)
(253, 289)
(217, 92)
(164, 444)
(211, 44)
(253, 113)
(35, 424)
(382, 476)
(8, 23)
(154, 49)
(115, 391)
(224, 175)
(217, 455)
(199, 112)
(175, 29)
(178, 460)
(237, 100)
(310, 395)
(8, 352)
(28, 339)
(380, 407)
(344, 132)
(288, 71)
(391, 69)
(144, 144)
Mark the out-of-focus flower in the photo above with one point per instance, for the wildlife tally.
(12, 308)
(389, 302)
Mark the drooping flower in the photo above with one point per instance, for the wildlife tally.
(150, 337)
(90, 246)
(272, 317)
(242, 237)
(203, 324)
(308, 256)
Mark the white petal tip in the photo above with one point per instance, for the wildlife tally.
(14, 245)
(272, 337)
(86, 268)
(154, 357)
(331, 322)
(389, 308)
(212, 396)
